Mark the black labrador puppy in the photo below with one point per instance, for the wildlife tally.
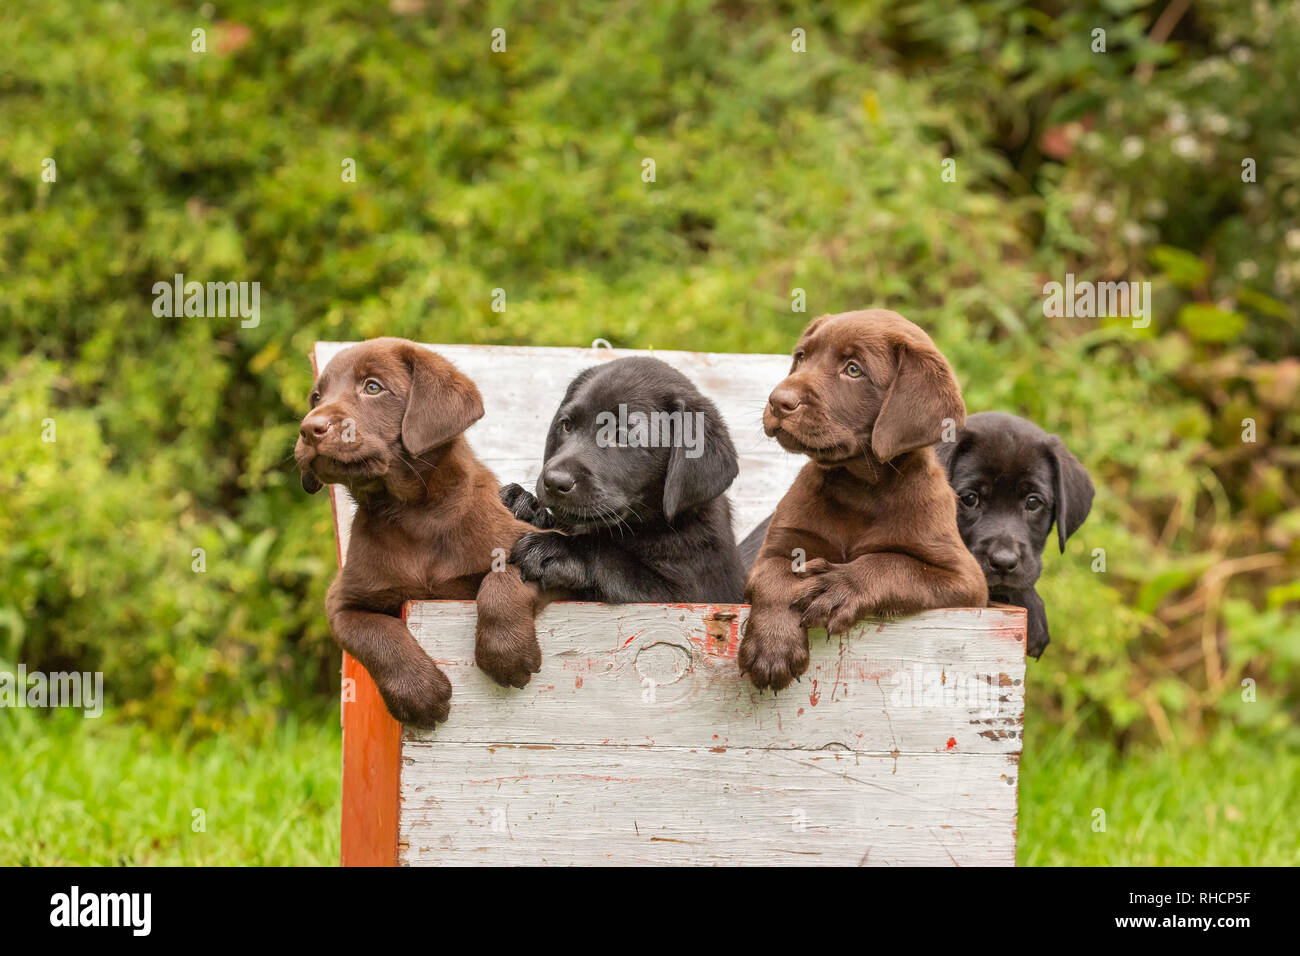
(1013, 480)
(632, 491)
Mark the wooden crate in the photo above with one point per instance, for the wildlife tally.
(639, 742)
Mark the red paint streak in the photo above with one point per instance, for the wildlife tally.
(577, 681)
(816, 695)
(800, 714)
(952, 742)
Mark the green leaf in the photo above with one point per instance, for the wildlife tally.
(1209, 323)
(1179, 266)
(1262, 303)
(1154, 591)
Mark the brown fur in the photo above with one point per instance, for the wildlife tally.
(428, 524)
(869, 527)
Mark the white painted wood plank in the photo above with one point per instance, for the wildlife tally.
(590, 764)
(473, 804)
(638, 675)
(949, 681)
(522, 387)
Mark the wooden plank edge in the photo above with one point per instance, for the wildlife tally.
(371, 754)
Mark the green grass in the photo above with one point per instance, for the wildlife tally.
(1227, 805)
(78, 791)
(75, 791)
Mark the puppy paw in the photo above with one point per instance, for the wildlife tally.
(828, 597)
(544, 559)
(773, 650)
(507, 651)
(419, 695)
(1038, 637)
(520, 501)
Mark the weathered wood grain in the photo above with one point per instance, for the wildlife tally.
(639, 742)
(653, 675)
(481, 804)
(522, 387)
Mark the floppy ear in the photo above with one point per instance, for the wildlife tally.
(923, 395)
(691, 481)
(949, 451)
(310, 483)
(442, 403)
(1073, 490)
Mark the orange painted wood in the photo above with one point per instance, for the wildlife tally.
(372, 754)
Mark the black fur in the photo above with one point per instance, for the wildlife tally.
(635, 522)
(1013, 481)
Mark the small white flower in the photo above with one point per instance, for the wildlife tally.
(1178, 122)
(1185, 146)
(1293, 239)
(1217, 124)
(1104, 212)
(1155, 208)
(1133, 233)
(1246, 269)
(1132, 147)
(1241, 54)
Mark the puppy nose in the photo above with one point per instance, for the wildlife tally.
(314, 428)
(1003, 559)
(559, 482)
(783, 401)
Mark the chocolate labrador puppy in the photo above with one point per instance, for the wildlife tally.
(636, 468)
(1013, 480)
(386, 420)
(869, 526)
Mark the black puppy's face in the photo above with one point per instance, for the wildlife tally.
(632, 440)
(1005, 505)
(1013, 481)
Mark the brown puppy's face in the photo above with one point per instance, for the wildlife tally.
(864, 384)
(377, 405)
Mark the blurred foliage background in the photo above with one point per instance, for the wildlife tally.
(775, 170)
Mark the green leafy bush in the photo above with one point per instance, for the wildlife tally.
(522, 171)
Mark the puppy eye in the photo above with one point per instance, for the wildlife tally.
(853, 370)
(798, 357)
(372, 387)
(563, 426)
(970, 499)
(314, 399)
(1034, 503)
